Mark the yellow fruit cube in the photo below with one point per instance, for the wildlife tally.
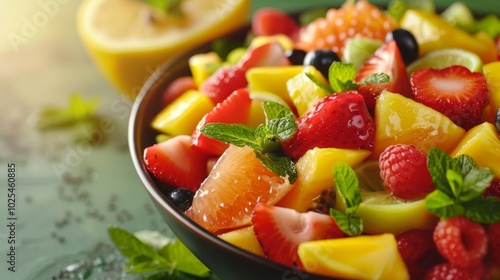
(245, 239)
(285, 41)
(203, 65)
(362, 257)
(315, 174)
(182, 115)
(483, 145)
(401, 120)
(492, 74)
(303, 91)
(257, 115)
(272, 79)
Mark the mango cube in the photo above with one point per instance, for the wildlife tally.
(492, 74)
(303, 91)
(243, 238)
(203, 65)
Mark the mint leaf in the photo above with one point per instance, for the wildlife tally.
(465, 163)
(438, 163)
(347, 182)
(351, 225)
(275, 110)
(442, 205)
(455, 182)
(282, 166)
(341, 76)
(268, 141)
(376, 78)
(282, 128)
(483, 210)
(237, 134)
(475, 183)
(324, 87)
(183, 260)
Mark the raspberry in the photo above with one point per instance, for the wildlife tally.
(462, 242)
(493, 189)
(418, 251)
(446, 271)
(494, 243)
(404, 171)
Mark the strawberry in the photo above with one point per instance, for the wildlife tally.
(454, 91)
(338, 121)
(280, 231)
(493, 231)
(403, 169)
(223, 82)
(360, 19)
(176, 164)
(493, 189)
(176, 88)
(269, 21)
(234, 109)
(387, 59)
(462, 242)
(270, 54)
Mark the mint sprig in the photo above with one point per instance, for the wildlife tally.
(265, 139)
(459, 187)
(347, 184)
(341, 78)
(172, 261)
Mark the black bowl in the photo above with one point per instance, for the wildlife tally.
(225, 260)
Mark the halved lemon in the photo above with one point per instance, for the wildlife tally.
(380, 210)
(129, 39)
(447, 57)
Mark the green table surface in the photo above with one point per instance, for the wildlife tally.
(61, 218)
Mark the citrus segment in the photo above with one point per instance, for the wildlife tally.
(128, 39)
(360, 257)
(443, 58)
(380, 210)
(237, 182)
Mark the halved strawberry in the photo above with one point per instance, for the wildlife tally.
(234, 109)
(270, 54)
(387, 59)
(269, 21)
(223, 82)
(280, 231)
(176, 164)
(455, 91)
(337, 121)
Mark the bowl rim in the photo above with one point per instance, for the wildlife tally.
(134, 143)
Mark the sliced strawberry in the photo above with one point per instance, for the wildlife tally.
(176, 164)
(280, 231)
(387, 59)
(454, 91)
(270, 54)
(234, 109)
(337, 121)
(223, 82)
(177, 88)
(269, 21)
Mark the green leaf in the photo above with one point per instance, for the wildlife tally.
(268, 142)
(475, 183)
(282, 166)
(442, 205)
(350, 225)
(490, 24)
(438, 162)
(144, 264)
(376, 78)
(172, 7)
(319, 84)
(183, 260)
(341, 76)
(275, 110)
(282, 128)
(483, 210)
(237, 134)
(346, 182)
(455, 182)
(465, 164)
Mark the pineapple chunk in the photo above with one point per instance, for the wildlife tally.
(203, 65)
(401, 120)
(182, 115)
(243, 238)
(492, 74)
(482, 144)
(315, 174)
(303, 91)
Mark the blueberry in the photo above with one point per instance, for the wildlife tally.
(497, 120)
(182, 198)
(295, 56)
(406, 42)
(321, 59)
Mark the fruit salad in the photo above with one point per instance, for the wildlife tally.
(352, 142)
